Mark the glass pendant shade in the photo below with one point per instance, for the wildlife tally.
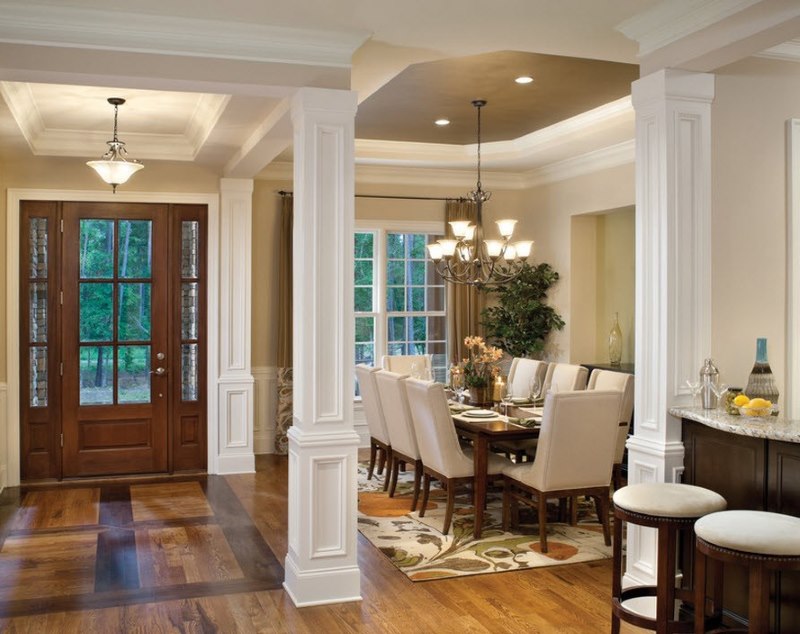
(113, 167)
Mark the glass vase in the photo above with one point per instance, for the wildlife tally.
(761, 382)
(615, 343)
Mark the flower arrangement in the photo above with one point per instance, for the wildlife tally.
(480, 366)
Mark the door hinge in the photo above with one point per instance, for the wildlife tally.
(62, 225)
(61, 297)
(62, 440)
(61, 369)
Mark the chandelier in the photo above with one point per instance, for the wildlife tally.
(471, 260)
(113, 167)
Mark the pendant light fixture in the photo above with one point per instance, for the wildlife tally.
(471, 260)
(114, 168)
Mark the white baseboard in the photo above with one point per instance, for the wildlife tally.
(266, 395)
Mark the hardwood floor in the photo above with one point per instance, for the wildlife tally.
(206, 555)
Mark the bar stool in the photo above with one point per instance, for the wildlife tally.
(763, 542)
(669, 508)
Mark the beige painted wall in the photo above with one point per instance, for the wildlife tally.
(753, 100)
(70, 173)
(583, 290)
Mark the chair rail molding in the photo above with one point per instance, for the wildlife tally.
(673, 275)
(215, 333)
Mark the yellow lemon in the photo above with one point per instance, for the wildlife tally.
(741, 400)
(759, 402)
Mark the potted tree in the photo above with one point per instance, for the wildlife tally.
(521, 321)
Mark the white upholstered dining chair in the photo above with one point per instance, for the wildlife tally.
(610, 380)
(443, 458)
(574, 457)
(522, 373)
(394, 401)
(566, 377)
(379, 442)
(406, 363)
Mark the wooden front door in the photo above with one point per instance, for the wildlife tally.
(112, 382)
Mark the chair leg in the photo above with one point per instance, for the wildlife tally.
(506, 505)
(573, 510)
(426, 491)
(373, 453)
(381, 459)
(451, 501)
(389, 466)
(541, 502)
(393, 483)
(417, 479)
(616, 476)
(602, 503)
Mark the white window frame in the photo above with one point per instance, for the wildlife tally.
(380, 228)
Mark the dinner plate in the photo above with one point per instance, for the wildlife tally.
(479, 413)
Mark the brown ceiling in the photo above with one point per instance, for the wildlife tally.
(405, 108)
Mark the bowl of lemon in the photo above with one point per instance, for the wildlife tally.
(753, 407)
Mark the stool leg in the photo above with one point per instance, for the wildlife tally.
(665, 578)
(758, 613)
(700, 561)
(616, 579)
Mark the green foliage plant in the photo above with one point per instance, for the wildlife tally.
(521, 321)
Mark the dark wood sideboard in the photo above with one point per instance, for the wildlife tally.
(750, 473)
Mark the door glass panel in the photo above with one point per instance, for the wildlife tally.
(96, 375)
(96, 311)
(189, 308)
(189, 371)
(133, 374)
(135, 248)
(37, 236)
(38, 312)
(38, 374)
(97, 249)
(190, 239)
(134, 312)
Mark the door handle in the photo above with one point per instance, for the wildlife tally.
(159, 371)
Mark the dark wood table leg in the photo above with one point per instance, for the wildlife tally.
(480, 457)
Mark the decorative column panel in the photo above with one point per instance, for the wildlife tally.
(321, 563)
(673, 276)
(235, 383)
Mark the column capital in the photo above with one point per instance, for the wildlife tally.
(324, 100)
(672, 83)
(236, 185)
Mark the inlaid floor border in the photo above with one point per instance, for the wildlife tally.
(117, 580)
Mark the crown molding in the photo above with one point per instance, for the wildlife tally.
(605, 158)
(788, 51)
(672, 20)
(521, 152)
(44, 141)
(132, 32)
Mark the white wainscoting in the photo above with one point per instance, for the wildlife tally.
(266, 407)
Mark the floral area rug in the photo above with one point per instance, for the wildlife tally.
(417, 547)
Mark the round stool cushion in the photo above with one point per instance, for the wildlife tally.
(666, 499)
(756, 532)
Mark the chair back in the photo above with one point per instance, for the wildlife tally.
(371, 401)
(610, 380)
(404, 363)
(577, 440)
(433, 426)
(566, 377)
(522, 372)
(394, 401)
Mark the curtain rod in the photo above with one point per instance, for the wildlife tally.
(286, 193)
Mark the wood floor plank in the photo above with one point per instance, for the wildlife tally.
(177, 500)
(116, 566)
(115, 506)
(58, 509)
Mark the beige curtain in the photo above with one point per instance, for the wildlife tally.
(464, 303)
(283, 419)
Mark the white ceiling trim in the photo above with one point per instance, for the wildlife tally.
(132, 32)
(788, 51)
(672, 20)
(606, 158)
(45, 141)
(518, 151)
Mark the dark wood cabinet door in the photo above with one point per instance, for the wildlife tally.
(115, 338)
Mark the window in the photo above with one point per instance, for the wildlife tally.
(399, 297)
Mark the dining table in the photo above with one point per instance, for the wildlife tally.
(485, 431)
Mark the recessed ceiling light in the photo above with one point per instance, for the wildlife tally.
(525, 79)
(442, 122)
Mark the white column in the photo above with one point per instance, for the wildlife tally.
(673, 276)
(234, 442)
(321, 563)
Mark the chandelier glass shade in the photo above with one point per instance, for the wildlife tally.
(114, 167)
(469, 259)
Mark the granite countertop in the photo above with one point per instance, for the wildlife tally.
(772, 427)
